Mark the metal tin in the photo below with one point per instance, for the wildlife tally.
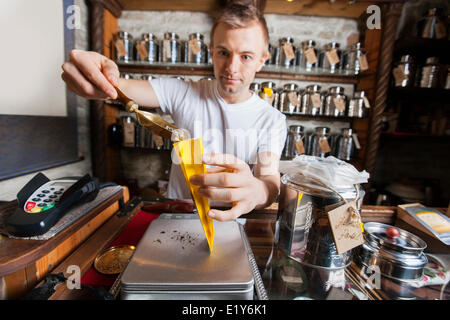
(345, 147)
(199, 57)
(302, 229)
(150, 43)
(400, 257)
(255, 87)
(113, 260)
(128, 129)
(173, 261)
(407, 66)
(266, 91)
(295, 134)
(432, 26)
(170, 48)
(127, 41)
(323, 60)
(300, 54)
(271, 52)
(319, 134)
(307, 106)
(430, 73)
(283, 60)
(356, 107)
(286, 105)
(330, 108)
(351, 57)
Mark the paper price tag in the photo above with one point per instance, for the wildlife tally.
(120, 47)
(345, 223)
(339, 103)
(324, 146)
(167, 49)
(142, 50)
(193, 45)
(288, 51)
(332, 57)
(299, 146)
(356, 140)
(399, 75)
(363, 64)
(316, 101)
(366, 102)
(311, 56)
(293, 98)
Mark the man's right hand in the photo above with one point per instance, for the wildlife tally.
(91, 75)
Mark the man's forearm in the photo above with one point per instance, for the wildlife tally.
(270, 187)
(141, 92)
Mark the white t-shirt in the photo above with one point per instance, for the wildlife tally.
(242, 129)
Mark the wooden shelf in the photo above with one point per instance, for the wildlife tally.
(416, 93)
(317, 117)
(421, 48)
(397, 134)
(268, 71)
(323, 8)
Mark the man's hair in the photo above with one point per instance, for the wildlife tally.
(239, 14)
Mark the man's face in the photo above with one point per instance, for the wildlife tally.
(237, 55)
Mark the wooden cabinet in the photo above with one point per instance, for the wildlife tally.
(378, 43)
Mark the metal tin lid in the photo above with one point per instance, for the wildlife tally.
(332, 45)
(347, 131)
(148, 36)
(196, 35)
(124, 35)
(308, 43)
(290, 87)
(287, 40)
(268, 84)
(359, 94)
(406, 59)
(170, 36)
(255, 87)
(336, 90)
(432, 60)
(322, 130)
(313, 88)
(296, 128)
(383, 235)
(356, 46)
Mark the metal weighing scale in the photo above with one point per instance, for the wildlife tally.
(173, 261)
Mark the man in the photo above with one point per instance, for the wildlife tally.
(220, 111)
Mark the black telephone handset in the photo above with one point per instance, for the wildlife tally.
(42, 202)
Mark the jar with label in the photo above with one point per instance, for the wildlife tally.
(289, 98)
(128, 129)
(147, 48)
(276, 98)
(195, 49)
(330, 57)
(170, 48)
(255, 87)
(404, 72)
(287, 52)
(358, 106)
(335, 102)
(295, 145)
(266, 92)
(320, 143)
(123, 47)
(354, 59)
(433, 25)
(271, 53)
(312, 101)
(429, 77)
(307, 55)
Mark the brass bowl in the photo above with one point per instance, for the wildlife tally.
(113, 260)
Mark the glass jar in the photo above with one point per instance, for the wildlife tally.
(324, 61)
(357, 107)
(123, 47)
(295, 136)
(149, 46)
(301, 56)
(345, 147)
(429, 77)
(312, 101)
(128, 130)
(317, 146)
(407, 67)
(351, 58)
(195, 49)
(170, 48)
(433, 25)
(335, 102)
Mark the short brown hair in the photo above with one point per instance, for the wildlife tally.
(238, 14)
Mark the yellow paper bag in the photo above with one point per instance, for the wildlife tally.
(190, 154)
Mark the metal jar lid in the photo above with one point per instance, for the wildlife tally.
(287, 40)
(397, 253)
(255, 87)
(296, 129)
(170, 36)
(313, 88)
(359, 94)
(268, 84)
(196, 35)
(406, 59)
(308, 44)
(432, 60)
(322, 130)
(356, 46)
(290, 87)
(346, 131)
(148, 36)
(124, 35)
(336, 90)
(332, 45)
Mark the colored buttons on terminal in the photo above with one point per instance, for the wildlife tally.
(48, 207)
(30, 205)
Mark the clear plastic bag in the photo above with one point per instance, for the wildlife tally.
(338, 174)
